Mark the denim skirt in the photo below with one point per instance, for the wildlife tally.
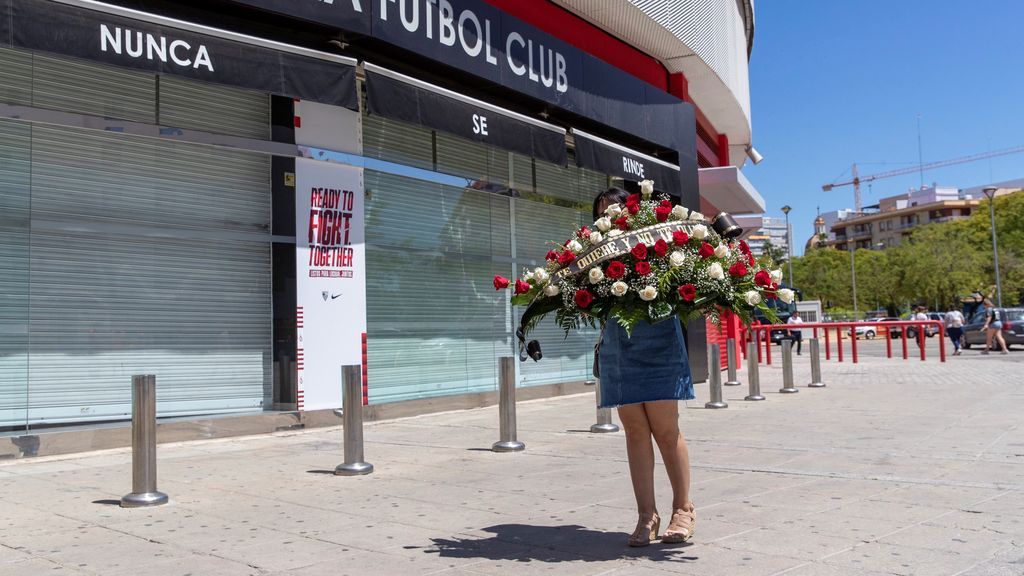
(650, 365)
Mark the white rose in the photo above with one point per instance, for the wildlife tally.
(699, 231)
(647, 188)
(620, 288)
(721, 251)
(614, 233)
(603, 224)
(551, 290)
(677, 259)
(540, 275)
(595, 275)
(648, 293)
(715, 271)
(679, 213)
(696, 216)
(752, 297)
(596, 237)
(776, 275)
(613, 211)
(574, 246)
(786, 295)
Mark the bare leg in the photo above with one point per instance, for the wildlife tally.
(640, 452)
(1001, 340)
(664, 421)
(989, 333)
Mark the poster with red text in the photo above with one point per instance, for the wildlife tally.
(331, 278)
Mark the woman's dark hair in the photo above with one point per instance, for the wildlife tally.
(612, 196)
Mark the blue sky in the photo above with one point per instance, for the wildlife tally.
(837, 82)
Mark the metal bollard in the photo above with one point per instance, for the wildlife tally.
(815, 366)
(753, 376)
(715, 378)
(144, 492)
(604, 415)
(507, 407)
(352, 413)
(731, 361)
(787, 368)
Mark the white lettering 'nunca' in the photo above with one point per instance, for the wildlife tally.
(136, 44)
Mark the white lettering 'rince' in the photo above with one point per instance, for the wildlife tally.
(135, 44)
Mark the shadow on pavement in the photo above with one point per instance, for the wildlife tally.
(524, 543)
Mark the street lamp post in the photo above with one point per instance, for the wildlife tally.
(853, 279)
(990, 191)
(789, 244)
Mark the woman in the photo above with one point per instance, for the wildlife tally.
(993, 328)
(645, 376)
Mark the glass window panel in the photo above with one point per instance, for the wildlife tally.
(435, 325)
(397, 142)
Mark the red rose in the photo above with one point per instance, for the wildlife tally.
(643, 268)
(633, 199)
(551, 256)
(744, 248)
(763, 278)
(679, 237)
(633, 208)
(522, 287)
(738, 270)
(584, 232)
(615, 270)
(750, 260)
(661, 248)
(770, 295)
(688, 292)
(583, 298)
(622, 223)
(662, 213)
(639, 251)
(500, 282)
(566, 257)
(706, 250)
(666, 203)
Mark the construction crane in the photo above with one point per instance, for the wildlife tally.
(856, 180)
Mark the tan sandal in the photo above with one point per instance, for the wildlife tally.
(645, 532)
(682, 526)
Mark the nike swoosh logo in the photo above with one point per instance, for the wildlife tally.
(334, 296)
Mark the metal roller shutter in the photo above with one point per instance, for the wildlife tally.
(147, 257)
(14, 204)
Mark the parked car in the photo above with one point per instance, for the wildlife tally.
(866, 331)
(1013, 327)
(929, 330)
(894, 331)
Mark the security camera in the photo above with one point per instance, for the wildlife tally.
(754, 155)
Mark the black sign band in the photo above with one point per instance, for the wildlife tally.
(132, 39)
(604, 156)
(400, 97)
(351, 15)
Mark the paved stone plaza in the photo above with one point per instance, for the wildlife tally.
(897, 467)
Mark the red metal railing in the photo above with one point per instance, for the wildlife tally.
(762, 333)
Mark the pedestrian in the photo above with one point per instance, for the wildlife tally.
(921, 313)
(645, 375)
(796, 335)
(955, 328)
(993, 328)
